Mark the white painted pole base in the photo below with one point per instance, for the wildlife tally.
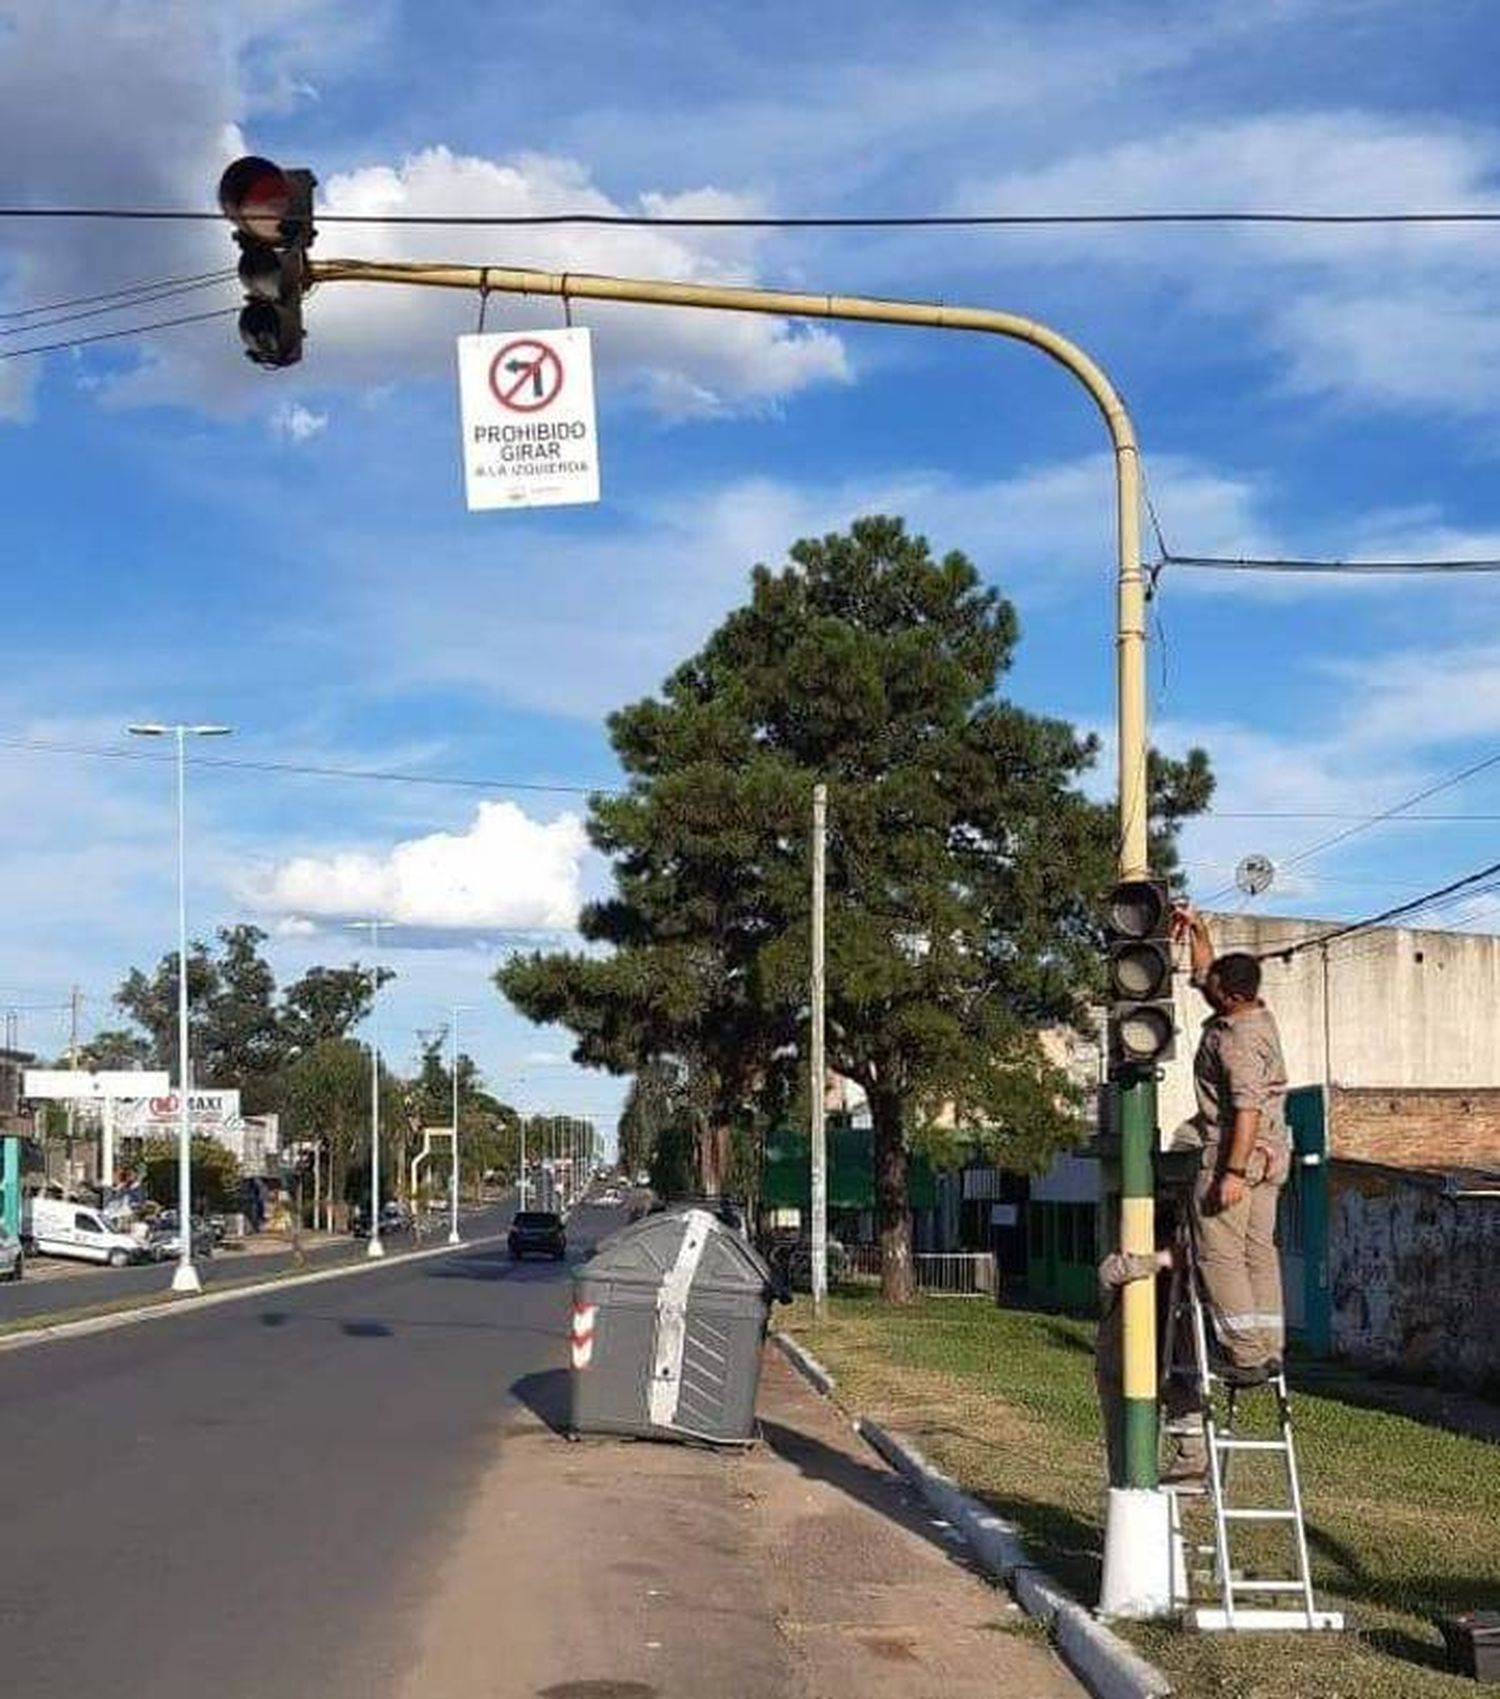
(185, 1278)
(453, 1238)
(1137, 1554)
(376, 1248)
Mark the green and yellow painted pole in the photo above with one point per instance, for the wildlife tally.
(1137, 1558)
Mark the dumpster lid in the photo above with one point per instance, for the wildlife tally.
(647, 1250)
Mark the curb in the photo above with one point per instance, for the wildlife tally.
(41, 1335)
(1101, 1660)
(805, 1363)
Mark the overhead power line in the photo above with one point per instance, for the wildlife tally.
(115, 335)
(1250, 564)
(126, 303)
(856, 221)
(1457, 887)
(148, 286)
(43, 746)
(1337, 814)
(1364, 824)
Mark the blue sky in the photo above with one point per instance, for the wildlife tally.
(290, 553)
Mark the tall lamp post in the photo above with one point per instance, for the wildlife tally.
(185, 1276)
(375, 1248)
(453, 1238)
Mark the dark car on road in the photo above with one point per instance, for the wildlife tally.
(537, 1232)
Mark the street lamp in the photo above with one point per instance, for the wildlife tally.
(185, 1276)
(453, 1239)
(375, 1248)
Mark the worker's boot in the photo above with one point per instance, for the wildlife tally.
(1188, 1463)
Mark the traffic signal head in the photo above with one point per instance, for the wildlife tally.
(1138, 920)
(272, 212)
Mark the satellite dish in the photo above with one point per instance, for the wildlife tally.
(1255, 874)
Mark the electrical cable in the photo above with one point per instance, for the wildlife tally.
(1258, 563)
(114, 335)
(768, 221)
(147, 286)
(1364, 825)
(1455, 887)
(43, 746)
(125, 305)
(1320, 814)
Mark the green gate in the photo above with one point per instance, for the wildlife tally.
(1302, 1226)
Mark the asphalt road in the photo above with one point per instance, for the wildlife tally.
(251, 1499)
(85, 1286)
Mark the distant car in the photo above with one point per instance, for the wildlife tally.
(164, 1243)
(537, 1232)
(792, 1258)
(12, 1257)
(609, 1200)
(395, 1218)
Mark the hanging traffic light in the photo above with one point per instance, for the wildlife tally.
(1137, 926)
(272, 212)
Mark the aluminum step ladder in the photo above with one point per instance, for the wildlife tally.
(1291, 1604)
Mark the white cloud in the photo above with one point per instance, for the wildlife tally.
(506, 872)
(139, 106)
(297, 423)
(294, 926)
(1385, 316)
(368, 335)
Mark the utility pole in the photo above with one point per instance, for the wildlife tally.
(73, 1000)
(375, 1247)
(817, 1069)
(453, 1238)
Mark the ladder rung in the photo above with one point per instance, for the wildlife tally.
(1251, 1444)
(1265, 1587)
(1273, 1620)
(1260, 1515)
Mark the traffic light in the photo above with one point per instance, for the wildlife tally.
(1138, 922)
(272, 212)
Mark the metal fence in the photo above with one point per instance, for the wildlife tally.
(956, 1274)
(953, 1274)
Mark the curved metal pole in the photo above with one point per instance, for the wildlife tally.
(1131, 621)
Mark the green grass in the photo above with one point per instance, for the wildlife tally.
(1403, 1517)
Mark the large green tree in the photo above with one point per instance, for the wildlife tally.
(242, 1032)
(965, 862)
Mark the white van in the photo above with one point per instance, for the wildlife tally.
(58, 1228)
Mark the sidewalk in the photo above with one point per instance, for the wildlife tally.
(803, 1569)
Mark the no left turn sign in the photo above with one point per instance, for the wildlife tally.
(529, 434)
(526, 376)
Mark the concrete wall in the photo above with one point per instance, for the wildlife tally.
(1412, 1275)
(1402, 1009)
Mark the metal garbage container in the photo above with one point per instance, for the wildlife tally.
(669, 1316)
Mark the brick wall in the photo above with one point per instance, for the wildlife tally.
(1412, 1276)
(1432, 1129)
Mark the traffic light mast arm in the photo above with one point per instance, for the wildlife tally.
(1131, 623)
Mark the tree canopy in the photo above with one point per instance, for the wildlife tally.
(965, 861)
(242, 1032)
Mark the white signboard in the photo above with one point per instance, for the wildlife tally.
(527, 406)
(208, 1111)
(79, 1086)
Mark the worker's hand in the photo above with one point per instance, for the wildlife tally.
(1184, 921)
(1226, 1191)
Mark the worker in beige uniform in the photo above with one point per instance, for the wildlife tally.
(1239, 1076)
